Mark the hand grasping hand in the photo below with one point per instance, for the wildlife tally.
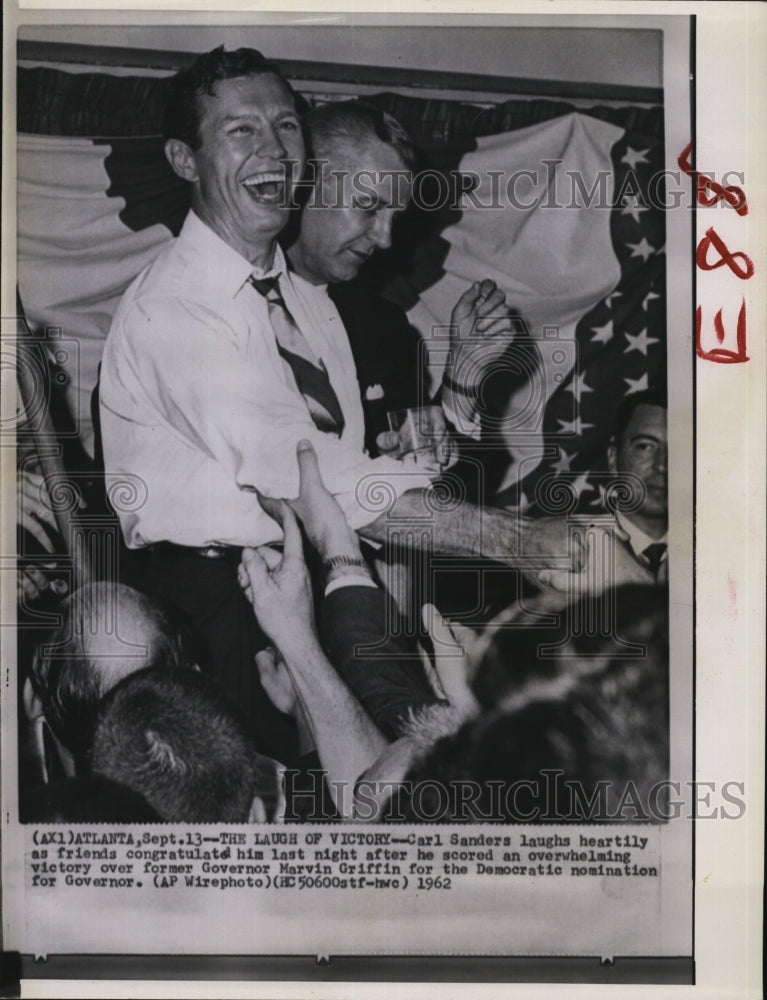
(35, 516)
(605, 562)
(278, 586)
(452, 658)
(323, 520)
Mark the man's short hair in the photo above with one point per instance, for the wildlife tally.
(650, 397)
(356, 122)
(576, 717)
(181, 119)
(107, 630)
(171, 737)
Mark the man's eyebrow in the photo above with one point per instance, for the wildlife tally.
(229, 118)
(649, 437)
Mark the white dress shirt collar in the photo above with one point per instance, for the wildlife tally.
(227, 270)
(638, 539)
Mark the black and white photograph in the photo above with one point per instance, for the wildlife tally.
(352, 373)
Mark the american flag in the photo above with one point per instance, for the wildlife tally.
(621, 338)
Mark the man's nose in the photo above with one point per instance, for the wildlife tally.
(381, 233)
(661, 458)
(269, 145)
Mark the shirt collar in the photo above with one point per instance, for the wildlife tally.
(638, 539)
(231, 270)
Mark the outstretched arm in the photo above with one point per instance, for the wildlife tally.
(569, 555)
(453, 665)
(387, 676)
(461, 529)
(486, 532)
(347, 740)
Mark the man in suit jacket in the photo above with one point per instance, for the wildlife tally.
(359, 154)
(360, 166)
(360, 177)
(387, 356)
(639, 448)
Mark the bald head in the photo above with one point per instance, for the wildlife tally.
(107, 631)
(116, 629)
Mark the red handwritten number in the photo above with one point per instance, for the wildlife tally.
(739, 263)
(725, 257)
(722, 355)
(734, 196)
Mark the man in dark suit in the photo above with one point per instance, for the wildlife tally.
(387, 355)
(360, 164)
(360, 173)
(639, 448)
(340, 229)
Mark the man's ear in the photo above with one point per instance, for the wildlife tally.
(612, 458)
(257, 812)
(182, 159)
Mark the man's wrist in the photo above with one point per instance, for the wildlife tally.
(338, 543)
(344, 564)
(300, 648)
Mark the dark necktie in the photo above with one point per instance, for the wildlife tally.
(309, 372)
(654, 555)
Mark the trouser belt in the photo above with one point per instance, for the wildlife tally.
(230, 553)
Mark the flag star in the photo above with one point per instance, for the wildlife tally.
(634, 208)
(524, 502)
(602, 333)
(636, 384)
(610, 297)
(633, 156)
(563, 462)
(599, 501)
(573, 426)
(642, 249)
(648, 298)
(581, 484)
(577, 385)
(640, 342)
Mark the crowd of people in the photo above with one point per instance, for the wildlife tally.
(258, 658)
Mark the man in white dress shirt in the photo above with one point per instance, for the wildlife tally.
(201, 382)
(197, 397)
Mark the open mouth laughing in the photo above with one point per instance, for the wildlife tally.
(267, 187)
